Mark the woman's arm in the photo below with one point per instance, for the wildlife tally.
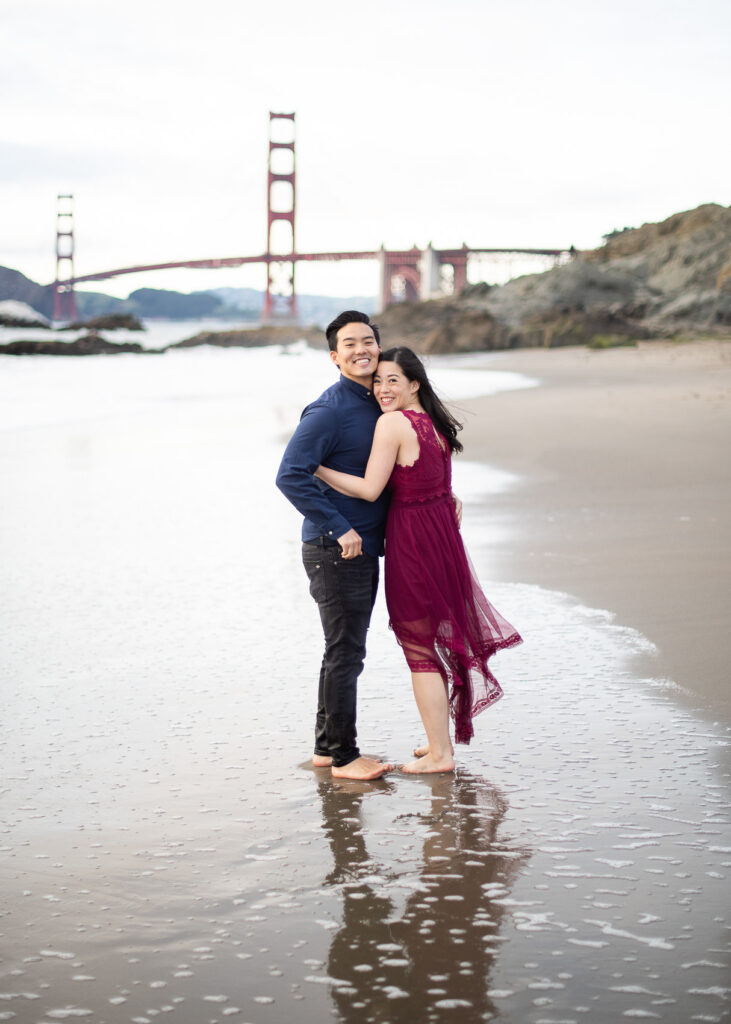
(387, 440)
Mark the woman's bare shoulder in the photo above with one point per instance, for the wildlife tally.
(393, 424)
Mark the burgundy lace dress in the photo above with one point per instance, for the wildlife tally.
(436, 608)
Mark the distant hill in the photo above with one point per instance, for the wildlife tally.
(14, 285)
(144, 302)
(312, 309)
(659, 279)
(243, 304)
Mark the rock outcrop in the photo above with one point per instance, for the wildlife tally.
(276, 334)
(444, 325)
(109, 322)
(659, 279)
(682, 264)
(88, 345)
(93, 344)
(14, 313)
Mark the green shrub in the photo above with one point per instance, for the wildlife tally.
(611, 341)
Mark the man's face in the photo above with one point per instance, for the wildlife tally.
(356, 352)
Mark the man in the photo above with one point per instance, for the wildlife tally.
(342, 537)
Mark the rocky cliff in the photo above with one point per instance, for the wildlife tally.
(657, 280)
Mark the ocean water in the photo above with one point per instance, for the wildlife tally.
(156, 334)
(167, 852)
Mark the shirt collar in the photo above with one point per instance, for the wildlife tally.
(356, 388)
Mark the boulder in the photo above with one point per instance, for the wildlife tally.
(109, 322)
(598, 328)
(255, 337)
(88, 345)
(14, 313)
(442, 326)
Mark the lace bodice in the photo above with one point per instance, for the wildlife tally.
(430, 476)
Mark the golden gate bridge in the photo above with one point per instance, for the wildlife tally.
(405, 274)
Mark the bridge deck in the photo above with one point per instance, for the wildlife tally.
(297, 257)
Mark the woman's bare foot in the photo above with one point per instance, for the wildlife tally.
(321, 761)
(423, 751)
(362, 768)
(426, 764)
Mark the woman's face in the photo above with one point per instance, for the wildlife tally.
(392, 388)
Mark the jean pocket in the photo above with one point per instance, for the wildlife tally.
(357, 580)
(318, 563)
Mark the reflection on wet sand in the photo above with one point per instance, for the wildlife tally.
(162, 855)
(430, 958)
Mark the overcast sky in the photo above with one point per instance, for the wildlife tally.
(518, 123)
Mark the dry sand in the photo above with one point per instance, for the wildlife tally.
(625, 496)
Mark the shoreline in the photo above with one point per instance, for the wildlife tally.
(168, 846)
(623, 501)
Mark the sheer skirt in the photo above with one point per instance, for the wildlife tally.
(440, 616)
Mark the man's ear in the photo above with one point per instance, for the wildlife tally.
(334, 357)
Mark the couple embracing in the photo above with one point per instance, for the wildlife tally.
(371, 460)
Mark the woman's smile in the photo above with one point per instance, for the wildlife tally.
(393, 389)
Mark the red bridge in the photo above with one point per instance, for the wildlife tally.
(408, 274)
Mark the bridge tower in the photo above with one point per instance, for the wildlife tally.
(400, 276)
(64, 296)
(280, 298)
(457, 261)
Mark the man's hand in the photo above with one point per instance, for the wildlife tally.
(351, 543)
(457, 508)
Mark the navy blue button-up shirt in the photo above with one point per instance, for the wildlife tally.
(336, 431)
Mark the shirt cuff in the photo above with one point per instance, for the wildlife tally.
(336, 527)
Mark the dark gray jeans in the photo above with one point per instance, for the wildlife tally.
(345, 591)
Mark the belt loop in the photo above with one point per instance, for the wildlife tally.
(326, 542)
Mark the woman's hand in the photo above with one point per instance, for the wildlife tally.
(457, 508)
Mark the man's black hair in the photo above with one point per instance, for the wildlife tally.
(350, 316)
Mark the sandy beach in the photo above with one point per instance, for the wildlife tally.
(167, 852)
(625, 494)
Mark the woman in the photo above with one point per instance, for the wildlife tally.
(445, 624)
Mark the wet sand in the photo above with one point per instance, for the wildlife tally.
(625, 494)
(166, 851)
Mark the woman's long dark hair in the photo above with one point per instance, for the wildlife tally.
(413, 369)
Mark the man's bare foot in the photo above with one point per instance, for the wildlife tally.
(426, 764)
(423, 751)
(362, 768)
(321, 761)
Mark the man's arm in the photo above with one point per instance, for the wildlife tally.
(311, 444)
